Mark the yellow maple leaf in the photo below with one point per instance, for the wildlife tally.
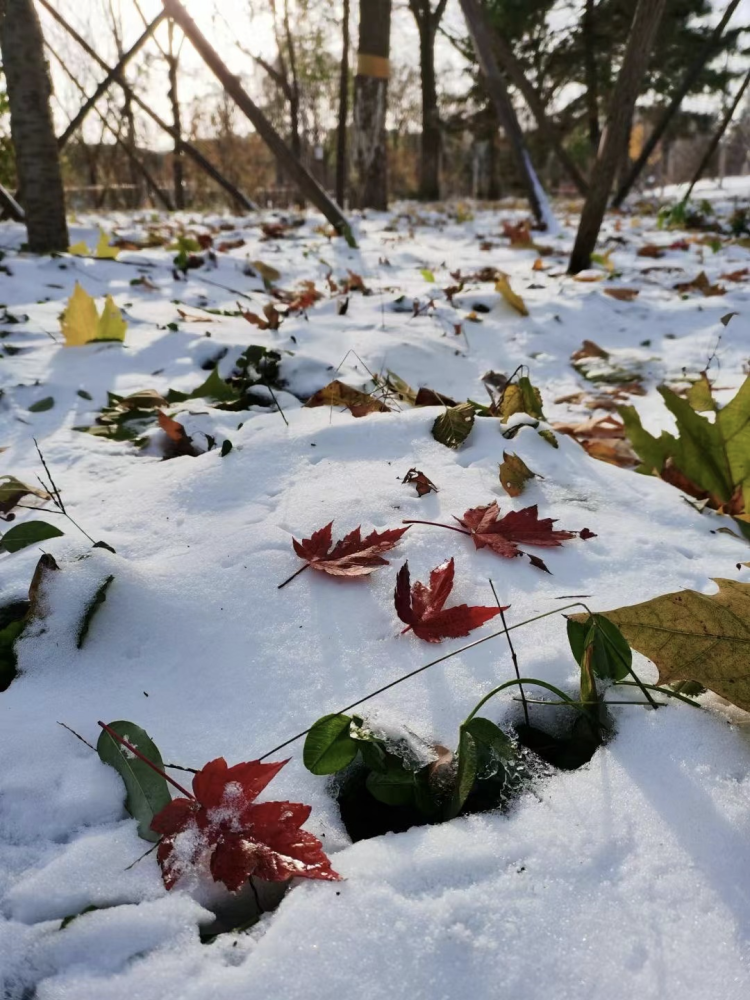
(81, 323)
(502, 285)
(102, 249)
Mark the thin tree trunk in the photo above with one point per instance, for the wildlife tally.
(429, 159)
(515, 71)
(158, 194)
(32, 131)
(208, 168)
(371, 104)
(646, 20)
(114, 74)
(306, 183)
(478, 31)
(178, 172)
(692, 74)
(341, 171)
(706, 159)
(588, 30)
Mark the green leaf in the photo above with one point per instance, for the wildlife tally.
(226, 447)
(74, 916)
(487, 734)
(27, 534)
(453, 427)
(468, 760)
(12, 624)
(43, 404)
(93, 606)
(427, 274)
(328, 746)
(577, 632)
(147, 792)
(395, 786)
(84, 395)
(521, 398)
(604, 645)
(213, 388)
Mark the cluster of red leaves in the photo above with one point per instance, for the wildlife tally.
(241, 838)
(505, 534)
(422, 607)
(352, 556)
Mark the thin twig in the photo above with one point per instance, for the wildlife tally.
(512, 652)
(144, 855)
(278, 404)
(77, 736)
(436, 524)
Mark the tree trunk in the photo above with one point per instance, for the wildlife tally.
(178, 163)
(371, 104)
(37, 160)
(692, 74)
(646, 20)
(341, 171)
(588, 28)
(429, 156)
(480, 38)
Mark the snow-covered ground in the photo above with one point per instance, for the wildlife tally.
(627, 878)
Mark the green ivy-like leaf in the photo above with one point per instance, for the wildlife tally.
(93, 606)
(329, 746)
(27, 534)
(147, 792)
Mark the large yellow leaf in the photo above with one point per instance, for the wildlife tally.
(502, 285)
(81, 322)
(102, 249)
(695, 637)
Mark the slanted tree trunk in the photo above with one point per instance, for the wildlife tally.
(34, 141)
(371, 104)
(588, 31)
(178, 159)
(713, 144)
(427, 21)
(693, 72)
(341, 172)
(646, 20)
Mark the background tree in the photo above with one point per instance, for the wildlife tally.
(34, 141)
(371, 104)
(428, 20)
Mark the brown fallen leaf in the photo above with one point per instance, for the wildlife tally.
(514, 474)
(700, 284)
(651, 250)
(740, 275)
(429, 397)
(273, 318)
(589, 349)
(622, 294)
(337, 393)
(422, 484)
(502, 285)
(190, 318)
(603, 438)
(180, 441)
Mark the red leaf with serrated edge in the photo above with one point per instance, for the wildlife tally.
(352, 556)
(422, 608)
(240, 837)
(518, 527)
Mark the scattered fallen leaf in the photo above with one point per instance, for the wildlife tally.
(589, 349)
(181, 442)
(430, 397)
(651, 250)
(28, 533)
(740, 275)
(695, 637)
(519, 397)
(81, 322)
(514, 474)
(242, 838)
(700, 284)
(622, 294)
(268, 274)
(272, 321)
(337, 393)
(727, 316)
(505, 534)
(422, 484)
(102, 250)
(422, 609)
(12, 491)
(453, 427)
(502, 285)
(352, 556)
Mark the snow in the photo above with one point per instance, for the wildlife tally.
(625, 878)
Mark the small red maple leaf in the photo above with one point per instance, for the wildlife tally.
(240, 837)
(352, 556)
(422, 607)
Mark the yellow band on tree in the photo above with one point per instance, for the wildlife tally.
(377, 66)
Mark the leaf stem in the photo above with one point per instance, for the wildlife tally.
(436, 524)
(519, 682)
(432, 663)
(115, 736)
(512, 653)
(290, 578)
(661, 690)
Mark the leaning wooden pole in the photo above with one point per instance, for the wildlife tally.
(481, 41)
(713, 145)
(306, 183)
(114, 74)
(188, 148)
(709, 49)
(515, 71)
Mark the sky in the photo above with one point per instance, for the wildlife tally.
(224, 22)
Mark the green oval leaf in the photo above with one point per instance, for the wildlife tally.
(27, 534)
(468, 759)
(328, 746)
(43, 404)
(147, 792)
(394, 787)
(93, 606)
(488, 734)
(453, 427)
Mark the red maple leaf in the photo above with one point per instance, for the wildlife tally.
(352, 556)
(421, 607)
(240, 837)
